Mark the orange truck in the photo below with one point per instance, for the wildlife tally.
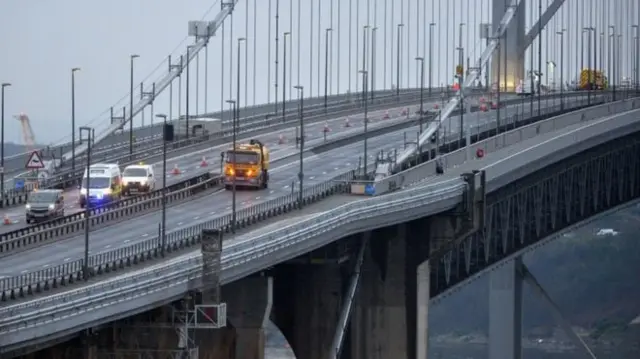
(248, 165)
(592, 80)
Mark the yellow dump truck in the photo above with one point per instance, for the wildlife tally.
(592, 80)
(248, 164)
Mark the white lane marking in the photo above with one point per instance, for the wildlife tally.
(336, 168)
(107, 246)
(180, 223)
(24, 271)
(287, 186)
(213, 212)
(324, 173)
(272, 191)
(228, 208)
(45, 266)
(67, 259)
(312, 177)
(127, 240)
(196, 218)
(146, 235)
(258, 197)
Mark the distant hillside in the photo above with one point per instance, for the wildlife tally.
(593, 279)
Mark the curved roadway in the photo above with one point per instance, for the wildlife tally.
(317, 168)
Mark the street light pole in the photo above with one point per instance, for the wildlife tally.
(131, 58)
(400, 26)
(300, 89)
(163, 235)
(187, 113)
(561, 34)
(636, 62)
(421, 118)
(590, 80)
(611, 58)
(4, 85)
(326, 67)
(365, 76)
(240, 41)
(87, 211)
(73, 119)
(431, 26)
(233, 162)
(284, 75)
(373, 61)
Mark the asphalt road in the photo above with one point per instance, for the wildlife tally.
(317, 168)
(190, 165)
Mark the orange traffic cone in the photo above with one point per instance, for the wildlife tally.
(482, 100)
(204, 162)
(386, 115)
(483, 107)
(281, 139)
(347, 123)
(176, 170)
(6, 220)
(436, 106)
(326, 128)
(494, 105)
(404, 112)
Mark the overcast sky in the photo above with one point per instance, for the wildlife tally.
(42, 40)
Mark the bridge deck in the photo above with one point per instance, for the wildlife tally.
(454, 172)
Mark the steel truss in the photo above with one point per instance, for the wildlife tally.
(523, 213)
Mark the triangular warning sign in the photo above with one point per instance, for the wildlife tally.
(34, 162)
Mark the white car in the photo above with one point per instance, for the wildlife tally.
(138, 179)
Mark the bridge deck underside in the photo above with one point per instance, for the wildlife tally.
(520, 215)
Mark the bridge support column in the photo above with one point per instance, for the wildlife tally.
(505, 312)
(511, 54)
(249, 302)
(389, 320)
(90, 344)
(308, 299)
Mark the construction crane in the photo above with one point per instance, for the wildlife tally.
(28, 138)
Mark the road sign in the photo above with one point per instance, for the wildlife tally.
(35, 162)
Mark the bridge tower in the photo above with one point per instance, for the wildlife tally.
(508, 59)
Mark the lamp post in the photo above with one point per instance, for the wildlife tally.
(326, 66)
(636, 57)
(186, 99)
(431, 26)
(4, 85)
(233, 162)
(87, 211)
(400, 26)
(284, 75)
(374, 31)
(611, 58)
(73, 119)
(461, 79)
(590, 80)
(240, 41)
(163, 235)
(421, 60)
(365, 76)
(131, 58)
(300, 89)
(561, 34)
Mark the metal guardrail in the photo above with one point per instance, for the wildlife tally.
(252, 124)
(127, 256)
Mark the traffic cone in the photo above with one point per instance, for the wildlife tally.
(6, 220)
(326, 128)
(204, 162)
(494, 105)
(176, 170)
(436, 106)
(404, 112)
(483, 107)
(482, 100)
(281, 139)
(386, 115)
(347, 123)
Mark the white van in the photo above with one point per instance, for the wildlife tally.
(137, 179)
(105, 181)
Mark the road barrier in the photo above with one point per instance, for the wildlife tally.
(61, 275)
